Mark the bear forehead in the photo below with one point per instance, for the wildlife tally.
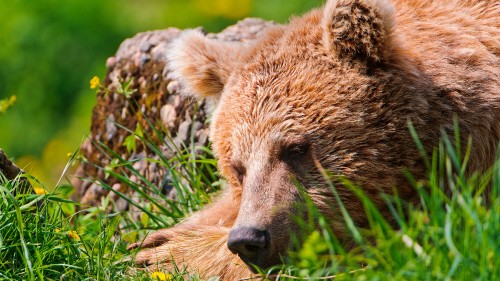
(284, 94)
(291, 67)
(277, 104)
(288, 86)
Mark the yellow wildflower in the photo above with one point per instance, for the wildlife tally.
(6, 103)
(57, 230)
(161, 276)
(39, 190)
(94, 82)
(73, 235)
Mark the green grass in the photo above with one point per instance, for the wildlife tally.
(41, 242)
(450, 236)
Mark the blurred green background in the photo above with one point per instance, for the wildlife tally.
(50, 50)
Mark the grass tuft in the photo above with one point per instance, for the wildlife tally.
(451, 234)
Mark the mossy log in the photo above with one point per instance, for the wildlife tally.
(10, 171)
(153, 98)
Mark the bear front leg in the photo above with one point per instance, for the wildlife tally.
(199, 243)
(222, 212)
(200, 249)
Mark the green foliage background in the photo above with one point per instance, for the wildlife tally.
(50, 49)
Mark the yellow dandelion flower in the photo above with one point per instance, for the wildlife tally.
(94, 82)
(39, 190)
(6, 103)
(73, 235)
(161, 276)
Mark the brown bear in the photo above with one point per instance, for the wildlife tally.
(334, 89)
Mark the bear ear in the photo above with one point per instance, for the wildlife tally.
(201, 64)
(358, 29)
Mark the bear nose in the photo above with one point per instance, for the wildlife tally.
(249, 243)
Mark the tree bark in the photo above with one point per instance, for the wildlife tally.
(10, 171)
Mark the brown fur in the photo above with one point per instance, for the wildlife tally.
(345, 80)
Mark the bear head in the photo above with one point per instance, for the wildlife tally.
(330, 91)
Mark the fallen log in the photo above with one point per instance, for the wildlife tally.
(151, 98)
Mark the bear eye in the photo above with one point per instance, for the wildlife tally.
(295, 151)
(240, 172)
